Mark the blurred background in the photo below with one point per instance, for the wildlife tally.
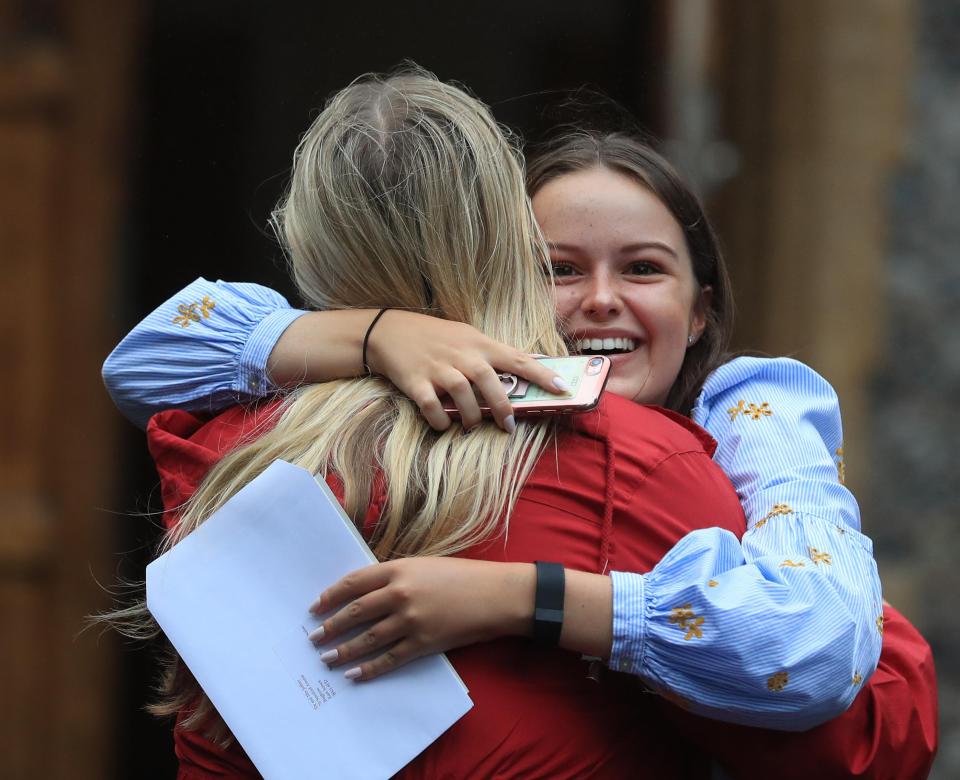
(143, 144)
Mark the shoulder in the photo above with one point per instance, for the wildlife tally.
(666, 474)
(746, 371)
(759, 381)
(185, 446)
(649, 432)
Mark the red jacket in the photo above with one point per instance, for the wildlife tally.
(626, 484)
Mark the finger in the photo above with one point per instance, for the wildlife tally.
(378, 636)
(373, 606)
(401, 653)
(458, 387)
(534, 371)
(494, 396)
(425, 397)
(352, 586)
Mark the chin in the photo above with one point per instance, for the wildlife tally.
(635, 392)
(624, 389)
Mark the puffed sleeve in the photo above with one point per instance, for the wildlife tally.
(204, 348)
(784, 628)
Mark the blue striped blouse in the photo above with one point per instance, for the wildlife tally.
(780, 629)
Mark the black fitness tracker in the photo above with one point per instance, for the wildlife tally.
(548, 603)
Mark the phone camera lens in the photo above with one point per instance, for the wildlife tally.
(596, 361)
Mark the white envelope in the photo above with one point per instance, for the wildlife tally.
(232, 598)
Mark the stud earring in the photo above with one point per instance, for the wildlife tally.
(690, 340)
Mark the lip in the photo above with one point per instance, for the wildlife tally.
(620, 358)
(596, 333)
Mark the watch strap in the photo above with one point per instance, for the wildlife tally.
(548, 603)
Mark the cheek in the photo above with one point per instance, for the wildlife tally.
(663, 310)
(566, 302)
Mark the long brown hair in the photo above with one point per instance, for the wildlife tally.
(630, 155)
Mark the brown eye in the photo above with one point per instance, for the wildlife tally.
(642, 268)
(563, 269)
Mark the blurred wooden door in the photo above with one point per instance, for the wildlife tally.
(805, 106)
(63, 95)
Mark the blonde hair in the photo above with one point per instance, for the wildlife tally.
(405, 193)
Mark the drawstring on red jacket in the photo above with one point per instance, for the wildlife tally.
(606, 530)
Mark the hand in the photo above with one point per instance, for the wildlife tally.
(426, 357)
(418, 606)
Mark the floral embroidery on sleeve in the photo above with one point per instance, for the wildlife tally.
(778, 509)
(880, 624)
(778, 681)
(733, 411)
(192, 312)
(857, 678)
(712, 583)
(752, 411)
(819, 557)
(686, 619)
(793, 564)
(188, 313)
(841, 466)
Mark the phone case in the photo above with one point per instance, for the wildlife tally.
(586, 374)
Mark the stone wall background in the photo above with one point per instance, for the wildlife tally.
(911, 505)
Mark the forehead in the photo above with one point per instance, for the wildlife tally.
(599, 203)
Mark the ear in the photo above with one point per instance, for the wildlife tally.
(698, 315)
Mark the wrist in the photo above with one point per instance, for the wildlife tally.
(518, 586)
(549, 603)
(320, 346)
(368, 370)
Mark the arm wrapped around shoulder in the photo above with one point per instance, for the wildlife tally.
(201, 350)
(732, 632)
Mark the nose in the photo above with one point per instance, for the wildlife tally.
(602, 300)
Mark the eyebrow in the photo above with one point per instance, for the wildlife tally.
(562, 247)
(638, 246)
(650, 245)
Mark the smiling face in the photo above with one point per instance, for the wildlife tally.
(624, 280)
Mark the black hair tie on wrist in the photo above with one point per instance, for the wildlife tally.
(366, 340)
(548, 603)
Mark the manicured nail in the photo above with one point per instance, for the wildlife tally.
(352, 674)
(315, 607)
(509, 423)
(330, 656)
(316, 635)
(561, 384)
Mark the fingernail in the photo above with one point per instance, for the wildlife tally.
(316, 635)
(330, 656)
(352, 674)
(509, 424)
(561, 384)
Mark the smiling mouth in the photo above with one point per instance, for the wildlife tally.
(605, 346)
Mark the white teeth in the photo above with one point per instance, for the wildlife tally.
(588, 345)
